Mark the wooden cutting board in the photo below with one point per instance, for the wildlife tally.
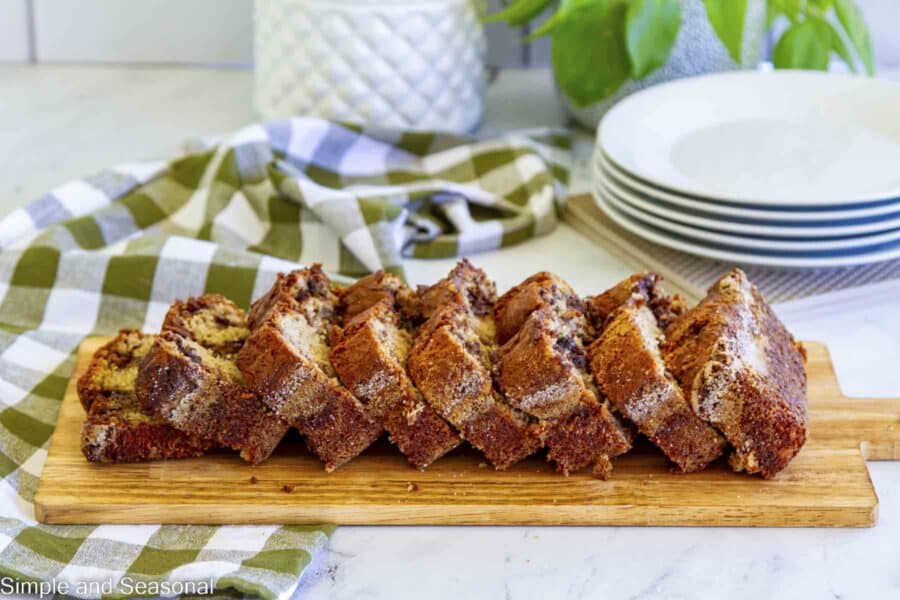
(827, 484)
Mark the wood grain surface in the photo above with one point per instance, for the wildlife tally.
(827, 485)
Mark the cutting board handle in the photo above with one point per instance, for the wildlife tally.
(877, 423)
(870, 424)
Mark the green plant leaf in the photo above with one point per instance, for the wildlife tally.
(519, 12)
(851, 18)
(788, 8)
(588, 51)
(822, 5)
(651, 27)
(727, 18)
(840, 47)
(804, 45)
(772, 13)
(565, 11)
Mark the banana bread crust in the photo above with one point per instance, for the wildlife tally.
(374, 289)
(117, 429)
(541, 289)
(370, 357)
(466, 285)
(628, 368)
(285, 361)
(743, 373)
(644, 285)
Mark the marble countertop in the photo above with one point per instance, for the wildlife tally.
(61, 122)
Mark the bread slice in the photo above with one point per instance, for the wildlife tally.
(541, 289)
(466, 285)
(117, 429)
(211, 320)
(113, 367)
(450, 363)
(542, 371)
(189, 378)
(645, 285)
(743, 373)
(378, 287)
(629, 370)
(370, 356)
(286, 361)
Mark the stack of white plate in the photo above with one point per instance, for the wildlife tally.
(787, 169)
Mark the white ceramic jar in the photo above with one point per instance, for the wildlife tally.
(409, 64)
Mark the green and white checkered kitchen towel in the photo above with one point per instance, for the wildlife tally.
(113, 250)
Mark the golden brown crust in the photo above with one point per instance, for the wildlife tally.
(375, 288)
(189, 378)
(294, 288)
(589, 436)
(629, 370)
(370, 359)
(285, 361)
(645, 285)
(120, 432)
(116, 428)
(541, 289)
(466, 285)
(743, 373)
(451, 367)
(541, 371)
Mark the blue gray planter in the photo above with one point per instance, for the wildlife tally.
(697, 51)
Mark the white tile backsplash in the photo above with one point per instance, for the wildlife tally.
(221, 31)
(141, 31)
(13, 31)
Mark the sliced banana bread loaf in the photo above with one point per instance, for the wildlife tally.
(117, 429)
(542, 370)
(370, 356)
(286, 361)
(189, 378)
(628, 367)
(743, 373)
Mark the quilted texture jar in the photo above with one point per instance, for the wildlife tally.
(408, 64)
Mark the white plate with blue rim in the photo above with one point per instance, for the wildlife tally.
(724, 211)
(779, 139)
(675, 213)
(708, 248)
(752, 243)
